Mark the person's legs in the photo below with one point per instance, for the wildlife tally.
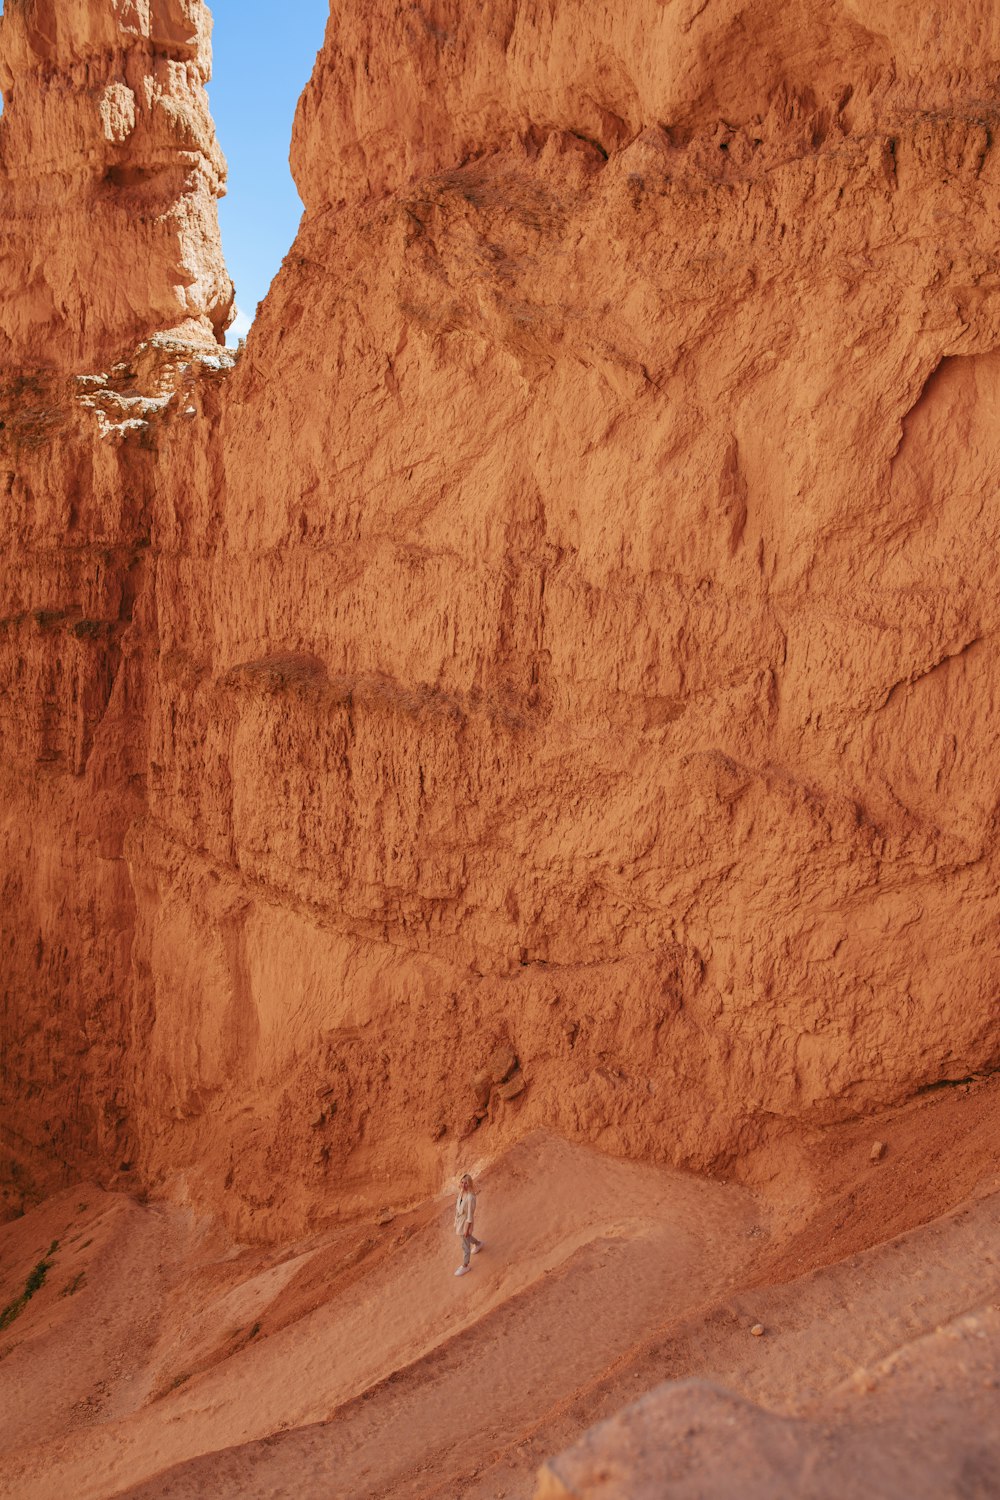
(466, 1248)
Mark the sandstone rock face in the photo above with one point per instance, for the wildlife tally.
(109, 172)
(81, 465)
(570, 627)
(404, 91)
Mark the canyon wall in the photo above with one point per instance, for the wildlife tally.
(109, 172)
(550, 679)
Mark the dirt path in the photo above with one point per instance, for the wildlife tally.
(583, 1255)
(357, 1365)
(479, 1416)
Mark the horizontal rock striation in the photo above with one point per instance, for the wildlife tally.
(570, 626)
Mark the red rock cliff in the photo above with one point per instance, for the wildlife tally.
(109, 172)
(570, 626)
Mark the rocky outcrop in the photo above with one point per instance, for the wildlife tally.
(413, 90)
(934, 1434)
(109, 173)
(81, 463)
(569, 627)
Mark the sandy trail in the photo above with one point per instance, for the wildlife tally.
(357, 1365)
(475, 1419)
(583, 1255)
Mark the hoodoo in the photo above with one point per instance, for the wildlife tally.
(110, 261)
(109, 172)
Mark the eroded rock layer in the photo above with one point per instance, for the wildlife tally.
(109, 172)
(550, 680)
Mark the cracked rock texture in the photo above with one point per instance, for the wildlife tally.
(570, 626)
(109, 172)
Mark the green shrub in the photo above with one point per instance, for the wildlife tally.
(34, 1283)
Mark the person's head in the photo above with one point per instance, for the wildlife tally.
(466, 1183)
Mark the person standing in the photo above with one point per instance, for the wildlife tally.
(465, 1218)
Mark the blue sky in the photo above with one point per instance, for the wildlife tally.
(262, 64)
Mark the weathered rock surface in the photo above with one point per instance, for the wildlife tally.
(932, 1432)
(571, 624)
(108, 177)
(109, 172)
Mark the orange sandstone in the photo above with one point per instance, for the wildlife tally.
(109, 172)
(568, 626)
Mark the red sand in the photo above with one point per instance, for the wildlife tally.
(356, 1363)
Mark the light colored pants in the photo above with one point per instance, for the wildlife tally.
(468, 1240)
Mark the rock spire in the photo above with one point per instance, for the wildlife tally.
(109, 176)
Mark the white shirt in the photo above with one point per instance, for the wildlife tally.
(465, 1212)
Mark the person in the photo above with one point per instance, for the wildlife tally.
(465, 1218)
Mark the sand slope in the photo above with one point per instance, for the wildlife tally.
(583, 1254)
(355, 1363)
